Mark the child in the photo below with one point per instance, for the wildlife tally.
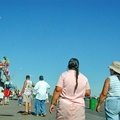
(1, 97)
(6, 95)
(20, 100)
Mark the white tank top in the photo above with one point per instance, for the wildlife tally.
(28, 88)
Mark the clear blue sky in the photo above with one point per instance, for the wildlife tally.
(40, 36)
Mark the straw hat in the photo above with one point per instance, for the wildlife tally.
(115, 66)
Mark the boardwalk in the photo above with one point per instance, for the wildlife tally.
(12, 112)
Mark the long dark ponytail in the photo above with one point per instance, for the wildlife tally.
(74, 64)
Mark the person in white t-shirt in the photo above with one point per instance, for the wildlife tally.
(41, 89)
(1, 97)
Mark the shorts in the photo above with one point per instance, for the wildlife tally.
(1, 99)
(6, 99)
(27, 98)
(20, 101)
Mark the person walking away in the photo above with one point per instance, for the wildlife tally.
(70, 91)
(111, 93)
(1, 97)
(41, 89)
(26, 93)
(6, 96)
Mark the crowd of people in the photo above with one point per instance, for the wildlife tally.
(69, 94)
(71, 89)
(26, 95)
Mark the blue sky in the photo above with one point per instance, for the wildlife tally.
(40, 36)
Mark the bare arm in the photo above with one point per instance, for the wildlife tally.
(103, 94)
(56, 94)
(33, 85)
(88, 92)
(24, 86)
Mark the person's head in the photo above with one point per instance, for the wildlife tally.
(8, 87)
(27, 77)
(41, 78)
(115, 68)
(4, 57)
(73, 64)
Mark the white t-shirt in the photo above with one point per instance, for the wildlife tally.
(1, 94)
(41, 89)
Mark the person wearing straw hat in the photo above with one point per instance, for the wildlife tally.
(111, 93)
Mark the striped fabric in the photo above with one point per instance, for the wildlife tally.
(114, 86)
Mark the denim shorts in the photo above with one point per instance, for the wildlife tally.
(112, 109)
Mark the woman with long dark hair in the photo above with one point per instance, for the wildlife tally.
(70, 91)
